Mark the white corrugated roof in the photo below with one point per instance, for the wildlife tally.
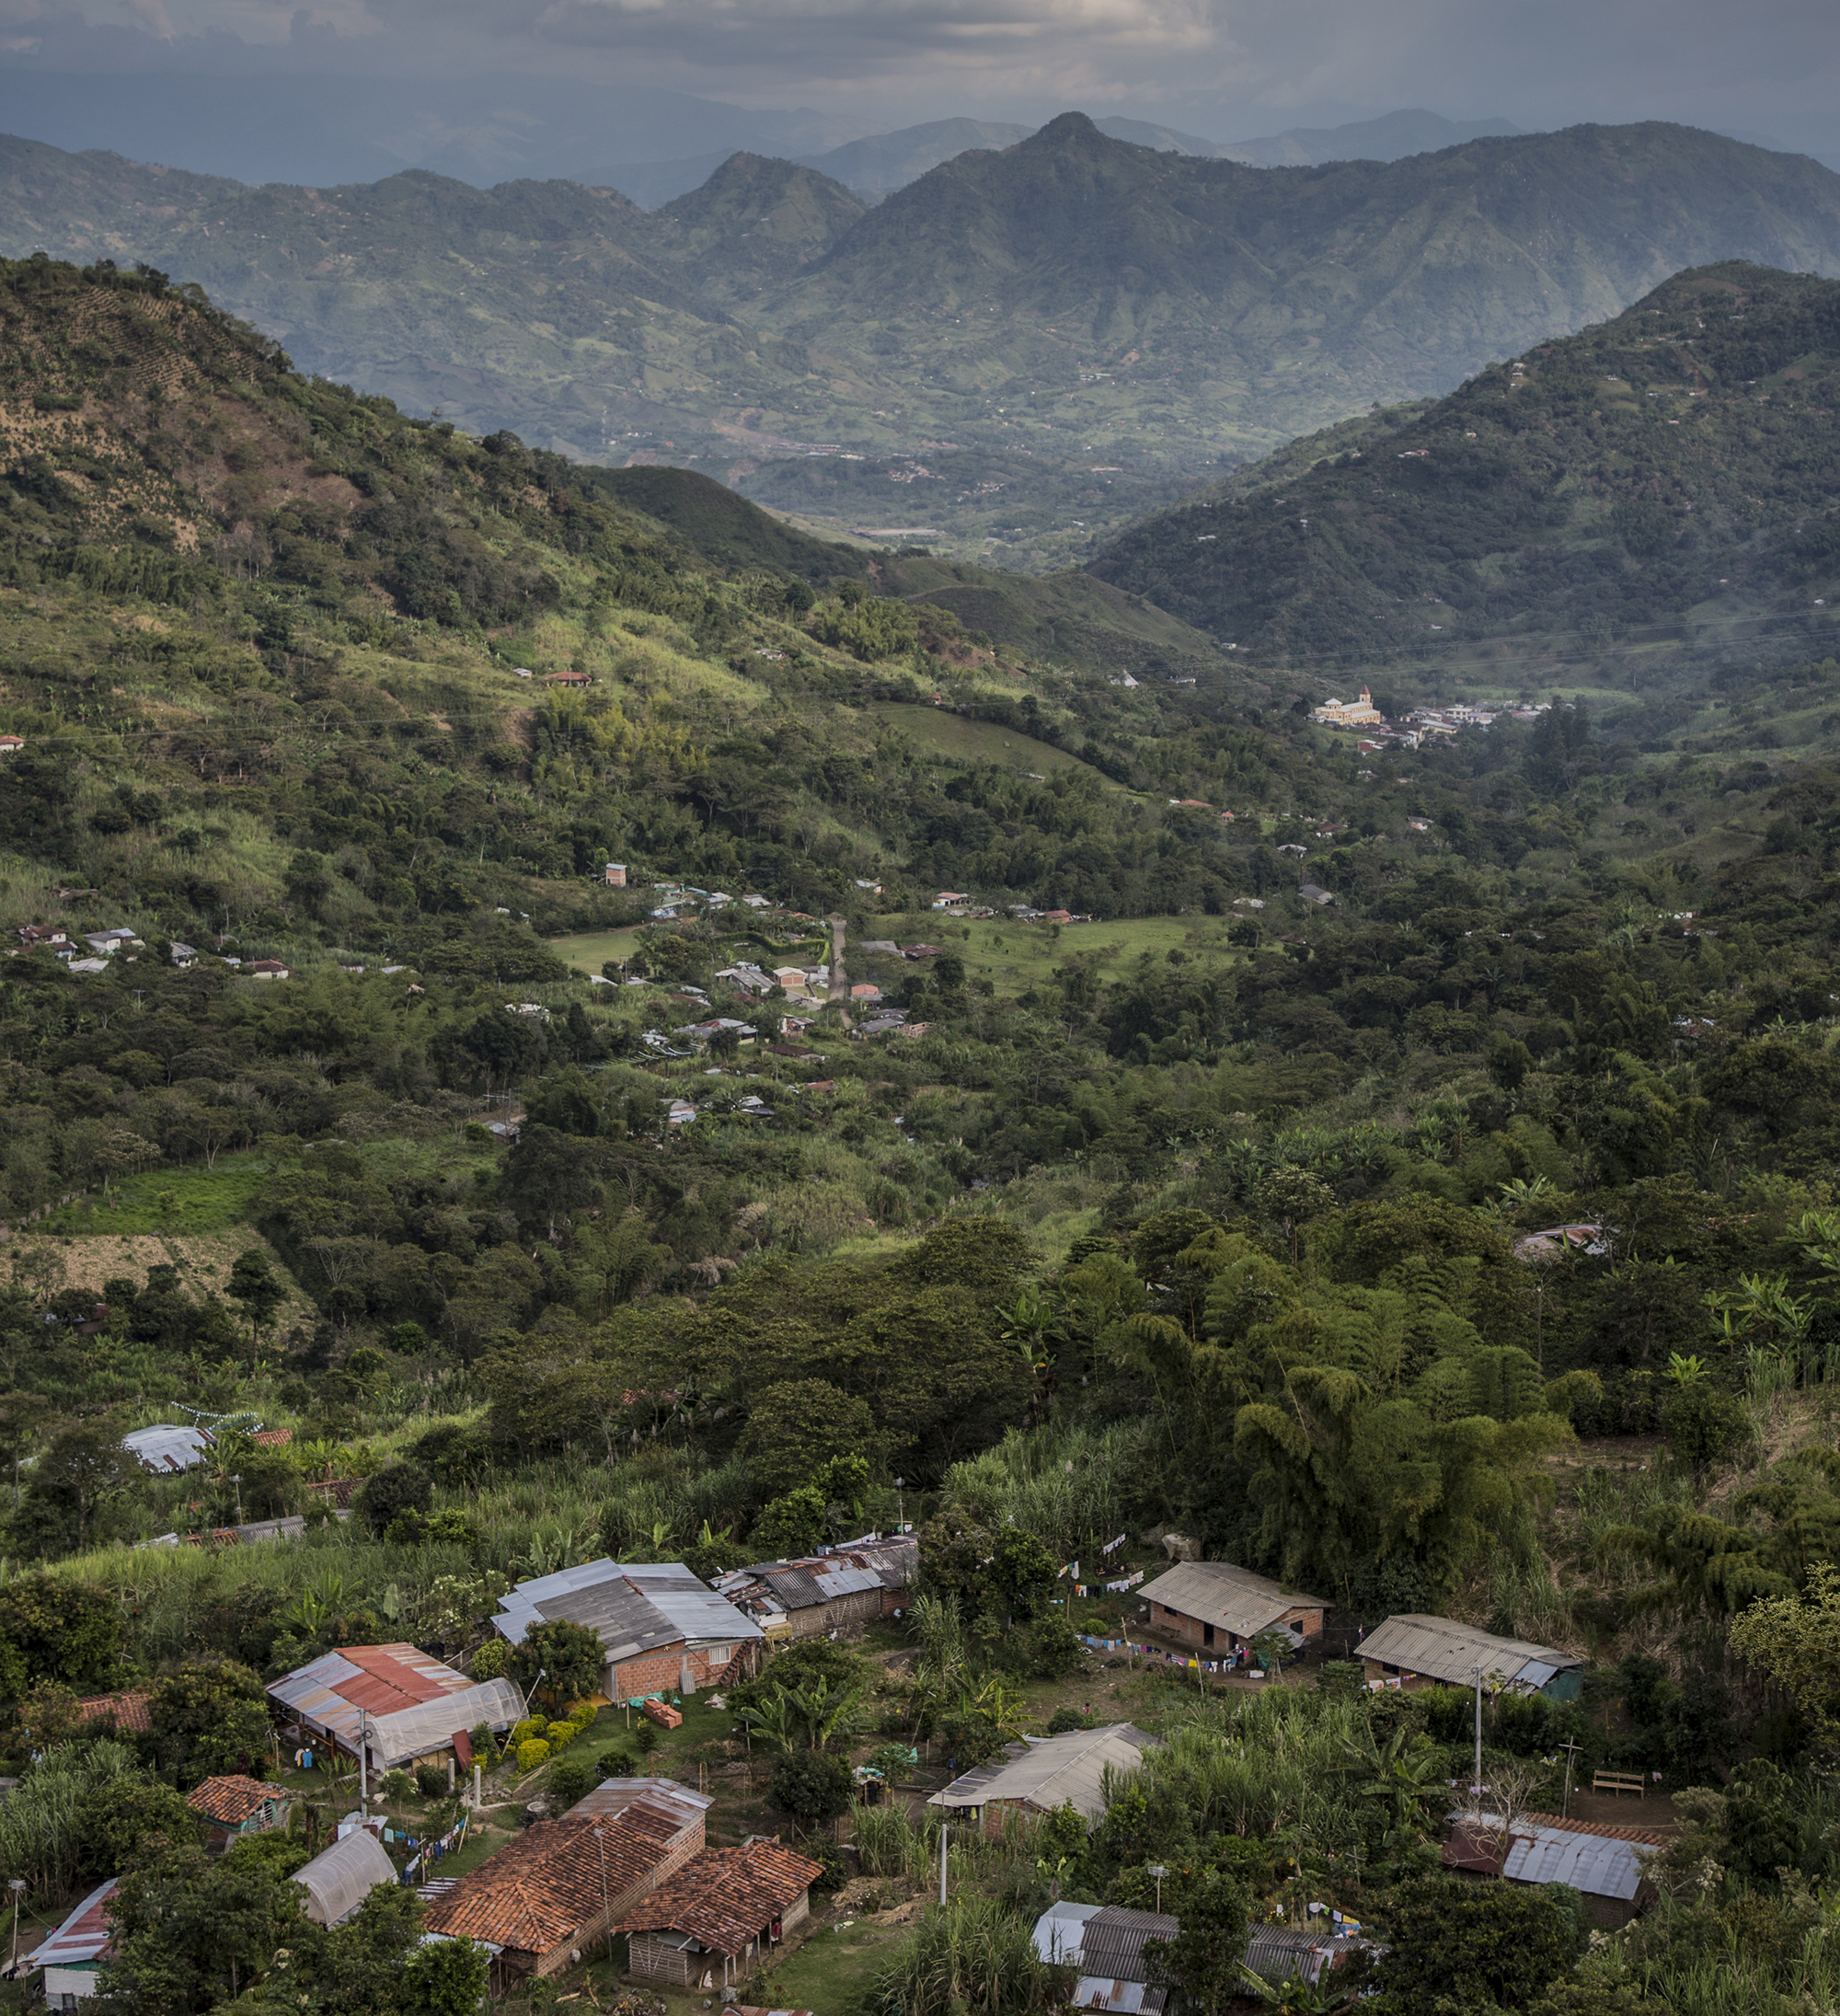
(1600, 1867)
(1053, 1771)
(1233, 1598)
(1060, 1931)
(338, 1880)
(167, 1447)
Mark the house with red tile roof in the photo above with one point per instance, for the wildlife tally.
(545, 1898)
(236, 1805)
(125, 1710)
(706, 1927)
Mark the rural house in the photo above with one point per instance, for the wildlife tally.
(1104, 1947)
(1212, 1606)
(236, 1805)
(841, 1588)
(405, 1706)
(1413, 1652)
(1606, 1864)
(706, 1927)
(83, 1943)
(1043, 1773)
(545, 1898)
(660, 1627)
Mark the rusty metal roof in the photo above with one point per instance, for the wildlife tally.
(1234, 1600)
(537, 1891)
(612, 1796)
(726, 1897)
(235, 1799)
(84, 1936)
(1598, 1864)
(382, 1680)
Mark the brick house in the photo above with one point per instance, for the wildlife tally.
(1213, 1608)
(662, 1629)
(841, 1588)
(722, 1910)
(545, 1898)
(236, 1805)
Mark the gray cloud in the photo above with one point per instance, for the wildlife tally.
(1227, 68)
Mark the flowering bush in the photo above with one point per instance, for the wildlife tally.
(491, 1659)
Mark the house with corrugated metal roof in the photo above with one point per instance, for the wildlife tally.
(82, 1944)
(403, 1705)
(544, 1899)
(1605, 1864)
(1215, 1608)
(1103, 1946)
(339, 1879)
(168, 1447)
(723, 1911)
(660, 1629)
(1414, 1650)
(1041, 1774)
(817, 1594)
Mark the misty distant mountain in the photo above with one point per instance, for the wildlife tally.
(328, 129)
(1123, 315)
(1391, 137)
(890, 161)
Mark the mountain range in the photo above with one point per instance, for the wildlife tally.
(1658, 493)
(1035, 343)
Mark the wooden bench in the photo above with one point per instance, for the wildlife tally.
(1618, 1781)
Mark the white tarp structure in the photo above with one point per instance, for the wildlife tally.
(338, 1880)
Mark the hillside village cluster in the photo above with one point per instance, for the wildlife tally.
(1422, 725)
(636, 1857)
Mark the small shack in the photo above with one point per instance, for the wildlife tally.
(237, 1805)
(82, 1944)
(818, 1594)
(1412, 1652)
(338, 1880)
(1607, 1865)
(1044, 1773)
(1214, 1607)
(1104, 1947)
(706, 1926)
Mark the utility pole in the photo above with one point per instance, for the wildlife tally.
(17, 1886)
(944, 1830)
(363, 1766)
(1571, 1748)
(1475, 1783)
(1159, 1871)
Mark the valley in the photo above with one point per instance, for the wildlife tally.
(1077, 327)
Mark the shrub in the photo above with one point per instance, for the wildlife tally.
(569, 1780)
(532, 1725)
(645, 1736)
(811, 1785)
(1344, 1678)
(491, 1660)
(395, 1785)
(559, 1736)
(396, 1488)
(484, 1745)
(430, 1781)
(1065, 1720)
(616, 1764)
(531, 1754)
(1057, 1647)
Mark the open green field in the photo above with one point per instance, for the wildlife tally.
(941, 733)
(1016, 956)
(183, 1200)
(591, 951)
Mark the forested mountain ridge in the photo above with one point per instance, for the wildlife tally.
(1666, 483)
(1070, 296)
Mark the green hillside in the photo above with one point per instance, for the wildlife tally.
(1657, 495)
(1023, 349)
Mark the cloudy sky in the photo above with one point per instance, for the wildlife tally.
(1228, 69)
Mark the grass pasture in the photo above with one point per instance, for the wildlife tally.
(1017, 956)
(936, 732)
